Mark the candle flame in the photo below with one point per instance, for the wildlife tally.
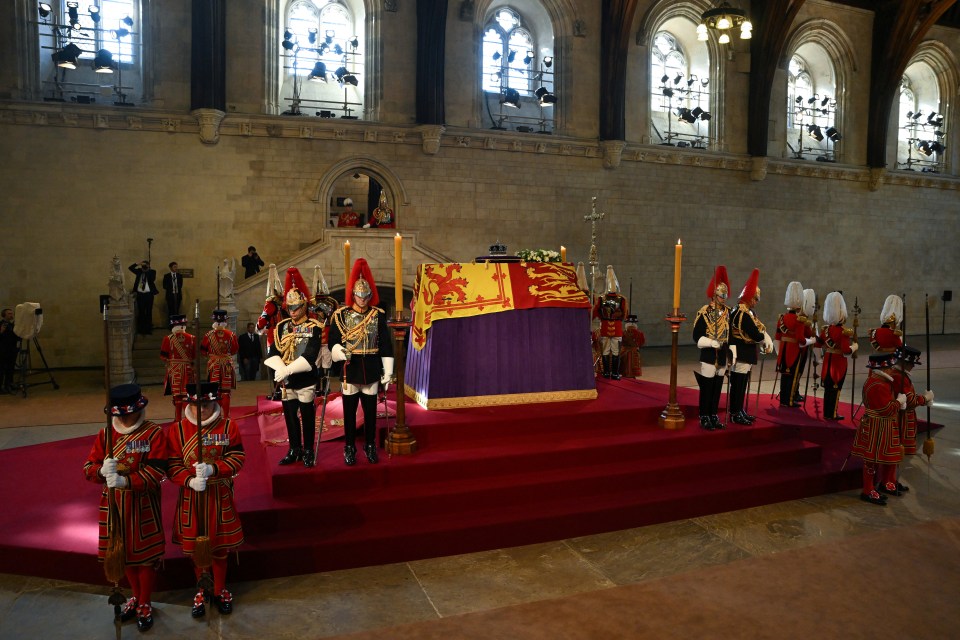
(678, 241)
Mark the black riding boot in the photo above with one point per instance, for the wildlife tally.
(615, 367)
(292, 420)
(705, 394)
(715, 392)
(369, 403)
(350, 404)
(308, 414)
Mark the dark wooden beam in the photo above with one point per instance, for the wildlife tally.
(208, 55)
(614, 47)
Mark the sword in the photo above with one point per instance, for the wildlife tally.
(323, 412)
(759, 380)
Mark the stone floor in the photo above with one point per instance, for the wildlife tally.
(330, 604)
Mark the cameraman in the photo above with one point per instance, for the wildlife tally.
(9, 346)
(251, 262)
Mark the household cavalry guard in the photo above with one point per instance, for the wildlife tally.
(795, 334)
(711, 331)
(178, 351)
(612, 310)
(837, 344)
(748, 338)
(297, 342)
(220, 345)
(360, 339)
(888, 337)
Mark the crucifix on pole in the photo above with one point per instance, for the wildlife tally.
(593, 217)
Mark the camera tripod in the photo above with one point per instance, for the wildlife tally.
(24, 367)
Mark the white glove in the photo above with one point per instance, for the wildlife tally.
(387, 371)
(280, 374)
(853, 347)
(902, 399)
(116, 481)
(366, 226)
(109, 466)
(733, 352)
(198, 484)
(928, 397)
(300, 365)
(809, 341)
(338, 352)
(767, 343)
(707, 343)
(202, 470)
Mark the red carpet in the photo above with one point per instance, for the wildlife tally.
(482, 479)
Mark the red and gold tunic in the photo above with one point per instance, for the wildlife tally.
(178, 351)
(142, 458)
(878, 434)
(219, 346)
(612, 311)
(223, 449)
(348, 219)
(886, 339)
(908, 417)
(271, 315)
(835, 340)
(630, 363)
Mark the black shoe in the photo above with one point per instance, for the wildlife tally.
(371, 451)
(902, 488)
(883, 488)
(615, 376)
(797, 399)
(129, 611)
(874, 498)
(199, 608)
(350, 455)
(749, 417)
(742, 418)
(224, 602)
(715, 421)
(294, 454)
(837, 418)
(706, 423)
(144, 617)
(308, 458)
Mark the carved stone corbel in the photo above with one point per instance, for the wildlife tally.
(876, 177)
(758, 168)
(612, 153)
(431, 134)
(209, 121)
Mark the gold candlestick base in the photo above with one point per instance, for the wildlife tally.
(400, 440)
(672, 417)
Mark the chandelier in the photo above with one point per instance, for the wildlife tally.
(724, 18)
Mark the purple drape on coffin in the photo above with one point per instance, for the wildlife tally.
(521, 351)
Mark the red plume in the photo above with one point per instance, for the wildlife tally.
(750, 288)
(719, 277)
(295, 281)
(361, 268)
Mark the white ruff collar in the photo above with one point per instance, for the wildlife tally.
(122, 430)
(190, 413)
(884, 374)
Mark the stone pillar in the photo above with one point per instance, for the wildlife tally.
(120, 337)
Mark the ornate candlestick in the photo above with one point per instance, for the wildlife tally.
(400, 440)
(672, 417)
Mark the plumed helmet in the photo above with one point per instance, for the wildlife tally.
(892, 312)
(719, 283)
(751, 289)
(613, 285)
(809, 302)
(582, 277)
(295, 290)
(361, 284)
(834, 308)
(274, 288)
(793, 298)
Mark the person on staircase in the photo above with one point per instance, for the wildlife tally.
(748, 339)
(711, 332)
(360, 339)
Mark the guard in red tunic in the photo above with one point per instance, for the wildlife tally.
(748, 339)
(348, 217)
(837, 344)
(220, 345)
(888, 337)
(206, 488)
(795, 334)
(273, 312)
(178, 351)
(907, 358)
(611, 309)
(132, 471)
(711, 331)
(877, 440)
(360, 339)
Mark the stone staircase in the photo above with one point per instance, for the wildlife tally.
(147, 365)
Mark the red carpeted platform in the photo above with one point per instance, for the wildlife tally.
(482, 479)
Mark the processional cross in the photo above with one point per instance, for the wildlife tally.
(593, 218)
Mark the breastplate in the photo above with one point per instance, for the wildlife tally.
(359, 330)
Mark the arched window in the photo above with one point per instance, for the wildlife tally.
(921, 128)
(679, 95)
(811, 106)
(86, 49)
(322, 60)
(516, 75)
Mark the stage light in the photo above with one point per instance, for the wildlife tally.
(909, 114)
(288, 40)
(814, 132)
(546, 98)
(127, 20)
(103, 61)
(548, 61)
(350, 79)
(691, 80)
(916, 116)
(799, 100)
(328, 35)
(337, 49)
(923, 146)
(685, 115)
(937, 147)
(312, 35)
(287, 34)
(119, 33)
(319, 73)
(813, 99)
(678, 78)
(700, 114)
(667, 91)
(67, 57)
(833, 134)
(73, 13)
(664, 78)
(511, 55)
(497, 55)
(44, 9)
(94, 11)
(528, 58)
(511, 98)
(825, 100)
(354, 42)
(704, 82)
(340, 73)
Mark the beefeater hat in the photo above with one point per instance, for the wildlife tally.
(752, 288)
(719, 281)
(178, 320)
(909, 355)
(882, 361)
(361, 281)
(125, 399)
